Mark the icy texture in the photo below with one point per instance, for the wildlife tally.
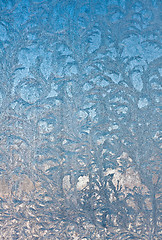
(80, 95)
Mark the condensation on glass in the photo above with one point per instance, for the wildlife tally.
(80, 89)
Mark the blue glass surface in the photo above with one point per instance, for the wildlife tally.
(80, 123)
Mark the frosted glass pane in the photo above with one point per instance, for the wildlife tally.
(80, 98)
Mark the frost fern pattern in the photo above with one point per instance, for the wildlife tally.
(80, 92)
